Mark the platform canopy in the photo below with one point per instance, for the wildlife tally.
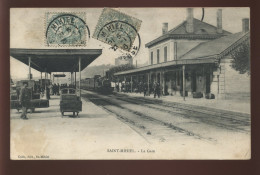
(56, 60)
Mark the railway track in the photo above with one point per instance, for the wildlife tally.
(220, 119)
(200, 109)
(151, 126)
(171, 118)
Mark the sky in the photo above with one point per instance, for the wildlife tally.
(27, 29)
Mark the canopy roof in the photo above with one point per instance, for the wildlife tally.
(217, 46)
(56, 60)
(209, 60)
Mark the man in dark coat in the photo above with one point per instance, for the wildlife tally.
(156, 90)
(145, 88)
(25, 99)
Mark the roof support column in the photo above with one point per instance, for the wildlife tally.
(75, 79)
(124, 83)
(45, 91)
(131, 83)
(163, 83)
(30, 75)
(184, 82)
(80, 77)
(71, 77)
(148, 82)
(118, 83)
(41, 79)
(170, 83)
(156, 77)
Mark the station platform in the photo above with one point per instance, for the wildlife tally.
(46, 135)
(240, 106)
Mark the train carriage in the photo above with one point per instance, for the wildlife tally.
(98, 84)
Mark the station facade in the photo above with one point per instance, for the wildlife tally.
(194, 57)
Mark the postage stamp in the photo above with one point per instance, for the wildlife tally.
(117, 29)
(66, 29)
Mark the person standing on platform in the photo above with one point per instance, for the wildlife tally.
(58, 89)
(150, 88)
(48, 92)
(156, 90)
(145, 88)
(25, 99)
(54, 89)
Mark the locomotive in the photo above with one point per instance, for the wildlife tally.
(98, 84)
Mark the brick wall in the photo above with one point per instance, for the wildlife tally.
(228, 83)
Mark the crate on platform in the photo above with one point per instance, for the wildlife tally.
(35, 103)
(69, 97)
(70, 106)
(40, 103)
(197, 95)
(210, 96)
(15, 104)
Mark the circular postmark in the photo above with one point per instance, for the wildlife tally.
(134, 49)
(67, 29)
(122, 35)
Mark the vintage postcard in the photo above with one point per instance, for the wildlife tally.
(130, 83)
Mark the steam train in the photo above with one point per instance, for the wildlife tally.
(98, 84)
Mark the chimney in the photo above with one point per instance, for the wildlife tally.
(219, 21)
(189, 24)
(165, 28)
(245, 25)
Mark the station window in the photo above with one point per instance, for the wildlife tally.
(158, 56)
(165, 54)
(151, 57)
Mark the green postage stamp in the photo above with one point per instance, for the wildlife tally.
(66, 29)
(117, 29)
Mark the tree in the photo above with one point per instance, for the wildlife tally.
(110, 73)
(241, 58)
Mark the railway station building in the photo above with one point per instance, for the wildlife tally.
(194, 57)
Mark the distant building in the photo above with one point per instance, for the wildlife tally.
(198, 53)
(123, 60)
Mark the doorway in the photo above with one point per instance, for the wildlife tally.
(193, 82)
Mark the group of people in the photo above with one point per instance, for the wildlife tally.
(140, 87)
(55, 89)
